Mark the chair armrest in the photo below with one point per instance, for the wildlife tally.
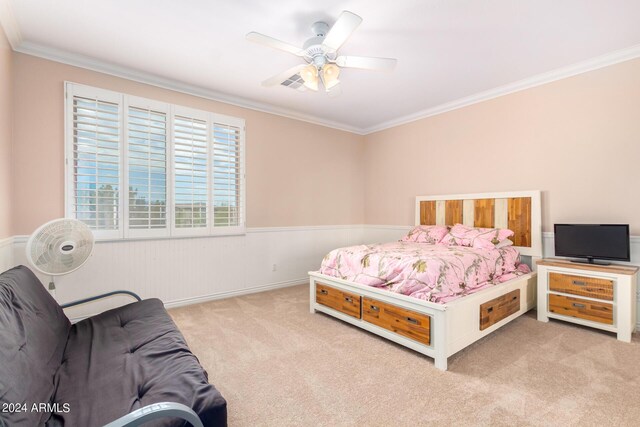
(97, 297)
(155, 411)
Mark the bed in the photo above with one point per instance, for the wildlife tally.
(368, 285)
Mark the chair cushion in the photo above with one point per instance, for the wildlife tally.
(33, 334)
(127, 358)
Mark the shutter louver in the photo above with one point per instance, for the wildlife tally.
(190, 172)
(96, 163)
(147, 159)
(227, 200)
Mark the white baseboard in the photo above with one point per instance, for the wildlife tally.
(218, 296)
(230, 294)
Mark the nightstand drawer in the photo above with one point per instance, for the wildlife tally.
(334, 298)
(601, 312)
(591, 287)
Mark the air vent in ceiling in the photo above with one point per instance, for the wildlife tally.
(294, 82)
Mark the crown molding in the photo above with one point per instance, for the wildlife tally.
(11, 28)
(602, 61)
(104, 67)
(10, 24)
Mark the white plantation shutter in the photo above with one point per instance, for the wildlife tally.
(95, 168)
(191, 177)
(228, 174)
(147, 170)
(140, 168)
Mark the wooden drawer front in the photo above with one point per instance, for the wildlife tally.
(344, 302)
(579, 285)
(493, 311)
(575, 307)
(399, 320)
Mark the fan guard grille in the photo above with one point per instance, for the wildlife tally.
(60, 246)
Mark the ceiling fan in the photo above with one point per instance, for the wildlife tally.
(320, 53)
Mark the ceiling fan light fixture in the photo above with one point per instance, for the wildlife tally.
(330, 73)
(310, 76)
(313, 85)
(309, 73)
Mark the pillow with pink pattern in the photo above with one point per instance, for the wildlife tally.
(426, 234)
(461, 235)
(485, 244)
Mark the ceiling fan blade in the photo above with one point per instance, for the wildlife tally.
(367, 63)
(279, 78)
(338, 34)
(274, 43)
(334, 91)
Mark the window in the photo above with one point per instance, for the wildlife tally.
(140, 168)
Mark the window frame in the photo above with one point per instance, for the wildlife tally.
(237, 122)
(124, 101)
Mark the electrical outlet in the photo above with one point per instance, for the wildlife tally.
(275, 267)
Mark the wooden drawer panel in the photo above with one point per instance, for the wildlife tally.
(396, 319)
(344, 302)
(493, 311)
(583, 309)
(579, 285)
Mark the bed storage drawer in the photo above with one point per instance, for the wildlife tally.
(493, 311)
(341, 301)
(399, 320)
(591, 287)
(601, 312)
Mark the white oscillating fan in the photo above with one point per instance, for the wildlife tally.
(59, 247)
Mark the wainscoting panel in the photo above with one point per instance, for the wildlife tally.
(6, 253)
(190, 270)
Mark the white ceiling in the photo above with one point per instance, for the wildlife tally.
(446, 49)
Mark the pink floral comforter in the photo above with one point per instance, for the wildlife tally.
(435, 273)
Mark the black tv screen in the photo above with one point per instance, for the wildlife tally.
(593, 241)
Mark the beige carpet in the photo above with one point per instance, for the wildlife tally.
(279, 365)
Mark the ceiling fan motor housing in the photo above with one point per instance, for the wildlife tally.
(320, 29)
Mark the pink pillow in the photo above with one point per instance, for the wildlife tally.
(426, 234)
(461, 235)
(485, 244)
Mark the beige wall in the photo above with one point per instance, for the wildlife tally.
(297, 173)
(577, 140)
(5, 135)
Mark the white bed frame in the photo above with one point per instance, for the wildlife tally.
(454, 325)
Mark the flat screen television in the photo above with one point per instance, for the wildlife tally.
(593, 241)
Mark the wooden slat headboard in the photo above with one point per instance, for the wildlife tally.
(519, 211)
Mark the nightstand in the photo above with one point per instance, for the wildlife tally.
(598, 296)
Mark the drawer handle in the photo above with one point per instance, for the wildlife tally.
(348, 299)
(375, 308)
(579, 283)
(412, 320)
(578, 305)
(324, 292)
